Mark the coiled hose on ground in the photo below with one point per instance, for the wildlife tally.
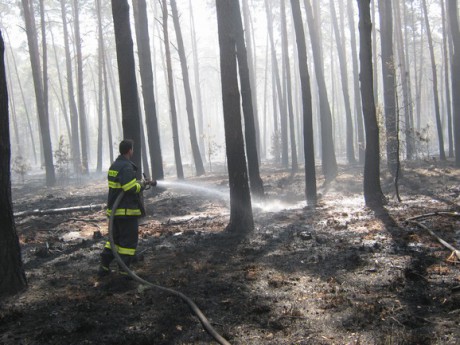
(204, 321)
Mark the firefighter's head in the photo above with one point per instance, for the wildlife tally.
(126, 148)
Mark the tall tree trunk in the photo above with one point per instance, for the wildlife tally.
(372, 190)
(411, 123)
(115, 94)
(281, 100)
(241, 219)
(405, 81)
(61, 97)
(172, 99)
(81, 90)
(38, 85)
(145, 64)
(263, 146)
(105, 83)
(344, 78)
(188, 94)
(145, 160)
(256, 183)
(445, 35)
(329, 162)
(127, 77)
(284, 119)
(442, 154)
(18, 142)
(11, 268)
(309, 151)
(274, 139)
(452, 10)
(26, 108)
(388, 73)
(356, 91)
(75, 144)
(196, 71)
(44, 59)
(418, 72)
(100, 87)
(252, 71)
(288, 89)
(375, 83)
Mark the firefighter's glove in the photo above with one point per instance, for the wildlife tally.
(143, 184)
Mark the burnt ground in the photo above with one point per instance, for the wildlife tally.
(339, 274)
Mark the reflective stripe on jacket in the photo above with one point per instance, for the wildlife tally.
(122, 176)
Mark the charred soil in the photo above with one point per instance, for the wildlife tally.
(337, 274)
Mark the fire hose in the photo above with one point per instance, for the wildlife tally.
(204, 321)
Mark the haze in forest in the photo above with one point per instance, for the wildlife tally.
(416, 110)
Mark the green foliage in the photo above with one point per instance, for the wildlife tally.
(212, 148)
(62, 159)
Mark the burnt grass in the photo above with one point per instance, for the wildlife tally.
(337, 274)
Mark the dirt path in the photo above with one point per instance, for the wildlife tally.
(339, 274)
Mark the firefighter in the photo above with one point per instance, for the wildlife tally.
(122, 176)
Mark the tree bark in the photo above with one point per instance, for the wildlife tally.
(288, 89)
(44, 53)
(146, 71)
(418, 69)
(309, 151)
(172, 99)
(241, 219)
(356, 91)
(284, 119)
(127, 77)
(26, 108)
(375, 84)
(455, 70)
(81, 90)
(329, 163)
(105, 84)
(445, 36)
(61, 97)
(344, 78)
(372, 190)
(38, 86)
(252, 71)
(196, 72)
(188, 94)
(11, 268)
(442, 154)
(100, 87)
(405, 83)
(277, 83)
(388, 73)
(256, 184)
(75, 141)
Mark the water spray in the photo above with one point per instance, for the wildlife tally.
(194, 187)
(262, 205)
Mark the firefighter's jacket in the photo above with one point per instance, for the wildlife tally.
(122, 176)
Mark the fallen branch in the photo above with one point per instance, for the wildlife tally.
(437, 213)
(178, 222)
(184, 221)
(38, 212)
(92, 221)
(440, 240)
